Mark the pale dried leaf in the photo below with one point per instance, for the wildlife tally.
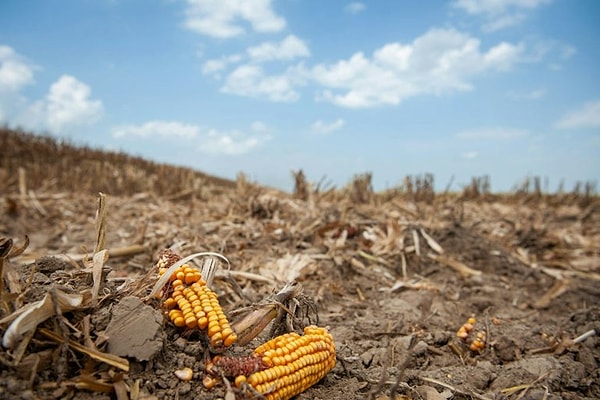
(416, 241)
(559, 287)
(460, 267)
(431, 242)
(289, 267)
(35, 313)
(98, 264)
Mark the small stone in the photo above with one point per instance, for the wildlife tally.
(185, 388)
(180, 343)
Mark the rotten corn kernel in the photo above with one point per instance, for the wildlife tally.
(284, 366)
(192, 304)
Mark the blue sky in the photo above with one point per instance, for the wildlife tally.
(459, 88)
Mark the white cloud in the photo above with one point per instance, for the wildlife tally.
(14, 71)
(68, 104)
(586, 116)
(230, 143)
(355, 7)
(215, 66)
(223, 18)
(324, 127)
(492, 134)
(441, 60)
(251, 81)
(499, 14)
(289, 48)
(165, 129)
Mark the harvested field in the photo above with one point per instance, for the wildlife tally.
(396, 278)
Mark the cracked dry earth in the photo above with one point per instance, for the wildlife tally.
(394, 280)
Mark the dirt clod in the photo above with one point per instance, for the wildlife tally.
(135, 330)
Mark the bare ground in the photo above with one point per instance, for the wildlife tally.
(394, 281)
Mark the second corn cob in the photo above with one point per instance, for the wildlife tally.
(284, 366)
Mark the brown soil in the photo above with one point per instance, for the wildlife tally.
(527, 270)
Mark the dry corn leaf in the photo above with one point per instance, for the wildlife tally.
(31, 315)
(290, 267)
(98, 263)
(416, 242)
(559, 287)
(110, 359)
(412, 284)
(88, 382)
(121, 390)
(370, 257)
(101, 213)
(460, 267)
(431, 242)
(75, 257)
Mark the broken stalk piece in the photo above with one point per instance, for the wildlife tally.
(275, 307)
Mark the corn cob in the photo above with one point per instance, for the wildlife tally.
(166, 258)
(284, 366)
(192, 304)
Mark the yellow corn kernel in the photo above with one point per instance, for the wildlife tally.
(202, 323)
(169, 303)
(179, 275)
(209, 382)
(240, 380)
(305, 361)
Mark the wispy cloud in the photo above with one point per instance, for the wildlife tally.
(164, 129)
(535, 94)
(231, 143)
(205, 140)
(355, 7)
(499, 14)
(586, 116)
(325, 128)
(15, 73)
(441, 60)
(251, 81)
(289, 48)
(214, 66)
(492, 134)
(469, 155)
(224, 19)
